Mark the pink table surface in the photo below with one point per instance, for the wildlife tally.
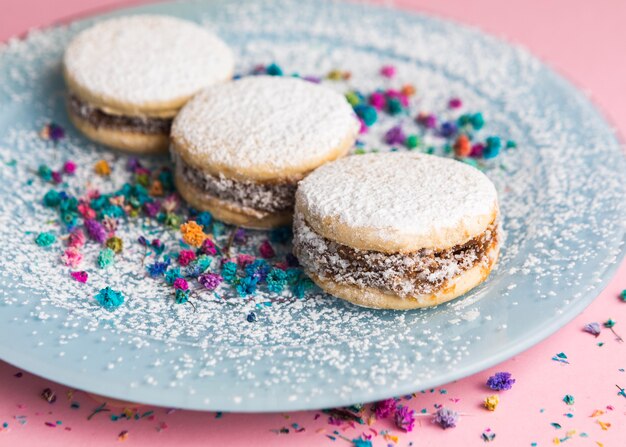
(585, 41)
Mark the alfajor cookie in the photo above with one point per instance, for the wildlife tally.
(396, 230)
(240, 148)
(128, 77)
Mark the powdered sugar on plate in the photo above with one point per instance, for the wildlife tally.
(562, 203)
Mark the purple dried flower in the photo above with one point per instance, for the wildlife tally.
(500, 381)
(313, 79)
(395, 135)
(385, 408)
(404, 418)
(208, 247)
(152, 208)
(133, 164)
(143, 241)
(446, 418)
(593, 328)
(240, 236)
(210, 280)
(56, 132)
(96, 231)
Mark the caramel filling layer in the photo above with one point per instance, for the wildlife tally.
(406, 274)
(99, 118)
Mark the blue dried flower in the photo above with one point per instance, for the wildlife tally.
(52, 199)
(246, 286)
(172, 275)
(45, 239)
(166, 179)
(276, 280)
(204, 219)
(113, 211)
(182, 296)
(109, 298)
(258, 269)
(197, 267)
(106, 257)
(500, 381)
(446, 418)
(229, 271)
(158, 268)
(303, 285)
(360, 442)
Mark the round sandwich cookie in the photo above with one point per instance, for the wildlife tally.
(241, 148)
(128, 77)
(396, 230)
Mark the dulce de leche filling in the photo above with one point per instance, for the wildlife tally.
(263, 197)
(99, 118)
(425, 271)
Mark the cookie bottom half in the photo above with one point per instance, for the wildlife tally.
(395, 280)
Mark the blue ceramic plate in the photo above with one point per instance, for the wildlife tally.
(562, 192)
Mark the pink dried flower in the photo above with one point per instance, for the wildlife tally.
(170, 203)
(185, 257)
(181, 284)
(69, 167)
(404, 418)
(86, 211)
(377, 100)
(244, 259)
(385, 408)
(76, 239)
(208, 247)
(80, 276)
(110, 224)
(266, 250)
(72, 257)
(388, 71)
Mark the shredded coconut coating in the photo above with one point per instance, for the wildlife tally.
(422, 272)
(265, 123)
(147, 59)
(266, 197)
(99, 118)
(400, 195)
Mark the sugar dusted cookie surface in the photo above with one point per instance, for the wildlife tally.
(264, 128)
(145, 63)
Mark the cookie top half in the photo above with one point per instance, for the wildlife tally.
(397, 202)
(264, 128)
(144, 64)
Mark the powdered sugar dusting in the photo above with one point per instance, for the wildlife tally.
(562, 205)
(147, 59)
(409, 194)
(272, 123)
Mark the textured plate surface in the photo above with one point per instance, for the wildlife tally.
(562, 193)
